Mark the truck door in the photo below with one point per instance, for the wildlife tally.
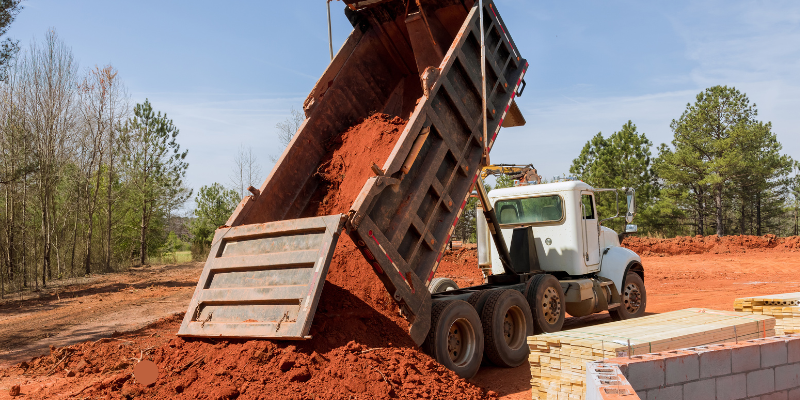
(591, 238)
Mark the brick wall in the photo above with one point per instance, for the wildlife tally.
(763, 369)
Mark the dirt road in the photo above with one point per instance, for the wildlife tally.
(127, 301)
(97, 307)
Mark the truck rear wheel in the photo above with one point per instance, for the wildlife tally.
(442, 285)
(455, 339)
(547, 302)
(633, 298)
(507, 322)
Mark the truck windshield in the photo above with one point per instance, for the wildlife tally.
(531, 210)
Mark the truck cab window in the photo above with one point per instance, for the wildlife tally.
(588, 206)
(533, 210)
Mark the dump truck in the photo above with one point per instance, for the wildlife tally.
(452, 69)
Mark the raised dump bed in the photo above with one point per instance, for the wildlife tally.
(266, 267)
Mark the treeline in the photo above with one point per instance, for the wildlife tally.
(89, 183)
(722, 174)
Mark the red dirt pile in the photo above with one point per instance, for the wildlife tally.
(461, 265)
(359, 349)
(221, 369)
(347, 166)
(683, 245)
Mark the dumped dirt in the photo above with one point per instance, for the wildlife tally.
(256, 369)
(683, 245)
(347, 166)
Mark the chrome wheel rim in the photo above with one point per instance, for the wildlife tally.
(460, 342)
(514, 331)
(551, 305)
(632, 298)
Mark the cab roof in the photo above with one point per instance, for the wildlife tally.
(518, 191)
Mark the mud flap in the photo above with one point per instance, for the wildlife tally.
(263, 280)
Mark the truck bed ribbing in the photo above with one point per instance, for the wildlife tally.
(404, 216)
(558, 360)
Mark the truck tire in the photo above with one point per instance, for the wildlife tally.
(633, 298)
(439, 285)
(547, 302)
(455, 339)
(478, 299)
(507, 322)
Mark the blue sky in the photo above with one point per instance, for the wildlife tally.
(226, 73)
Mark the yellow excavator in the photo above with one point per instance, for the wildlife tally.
(522, 174)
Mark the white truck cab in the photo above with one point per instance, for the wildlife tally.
(571, 244)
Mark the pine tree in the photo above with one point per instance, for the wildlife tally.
(214, 205)
(722, 152)
(621, 160)
(156, 166)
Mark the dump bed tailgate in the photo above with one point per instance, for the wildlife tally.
(263, 280)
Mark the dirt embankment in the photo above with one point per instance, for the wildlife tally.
(683, 245)
(359, 349)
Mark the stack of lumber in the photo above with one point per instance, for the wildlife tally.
(784, 307)
(558, 360)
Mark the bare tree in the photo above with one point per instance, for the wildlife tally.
(246, 170)
(102, 105)
(288, 128)
(50, 80)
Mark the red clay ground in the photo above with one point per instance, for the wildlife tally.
(372, 367)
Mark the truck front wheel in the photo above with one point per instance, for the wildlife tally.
(456, 338)
(633, 298)
(442, 284)
(547, 302)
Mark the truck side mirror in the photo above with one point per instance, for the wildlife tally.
(631, 193)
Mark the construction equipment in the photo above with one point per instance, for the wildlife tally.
(522, 174)
(422, 61)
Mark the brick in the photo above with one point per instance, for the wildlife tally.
(715, 363)
(787, 376)
(782, 395)
(745, 358)
(681, 368)
(666, 393)
(793, 349)
(794, 394)
(646, 375)
(732, 387)
(760, 382)
(700, 390)
(773, 353)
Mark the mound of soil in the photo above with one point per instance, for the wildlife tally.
(684, 245)
(221, 369)
(359, 348)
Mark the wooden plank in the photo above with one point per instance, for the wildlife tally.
(785, 307)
